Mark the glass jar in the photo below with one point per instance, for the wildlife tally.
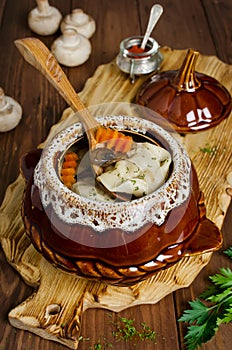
(138, 63)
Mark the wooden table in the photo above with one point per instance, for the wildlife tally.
(204, 25)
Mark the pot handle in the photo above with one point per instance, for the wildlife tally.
(28, 163)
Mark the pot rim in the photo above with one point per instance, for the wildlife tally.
(75, 209)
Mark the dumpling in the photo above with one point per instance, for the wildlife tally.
(143, 172)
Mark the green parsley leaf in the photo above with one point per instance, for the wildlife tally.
(198, 313)
(228, 252)
(224, 298)
(214, 308)
(212, 290)
(227, 317)
(224, 279)
(198, 334)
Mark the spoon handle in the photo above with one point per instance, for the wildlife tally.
(39, 56)
(155, 13)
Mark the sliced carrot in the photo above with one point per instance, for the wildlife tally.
(112, 138)
(98, 134)
(69, 164)
(68, 180)
(127, 145)
(119, 145)
(112, 141)
(102, 134)
(71, 156)
(68, 170)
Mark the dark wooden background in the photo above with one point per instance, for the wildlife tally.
(205, 25)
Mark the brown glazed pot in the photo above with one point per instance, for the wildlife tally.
(117, 243)
(189, 100)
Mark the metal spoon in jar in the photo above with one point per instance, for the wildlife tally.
(155, 13)
(39, 56)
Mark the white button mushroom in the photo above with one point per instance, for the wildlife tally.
(71, 49)
(44, 19)
(83, 23)
(10, 112)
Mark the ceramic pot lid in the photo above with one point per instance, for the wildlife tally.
(189, 100)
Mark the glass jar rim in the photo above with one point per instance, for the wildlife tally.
(136, 40)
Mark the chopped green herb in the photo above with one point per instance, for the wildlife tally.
(163, 161)
(148, 333)
(101, 345)
(81, 338)
(209, 149)
(126, 331)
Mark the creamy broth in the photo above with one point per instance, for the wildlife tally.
(146, 168)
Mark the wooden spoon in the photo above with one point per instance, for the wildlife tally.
(39, 56)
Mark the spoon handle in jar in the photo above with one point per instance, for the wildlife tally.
(155, 13)
(39, 56)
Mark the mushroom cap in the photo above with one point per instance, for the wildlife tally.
(71, 49)
(10, 114)
(83, 23)
(44, 22)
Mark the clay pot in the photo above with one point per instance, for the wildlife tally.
(120, 242)
(189, 100)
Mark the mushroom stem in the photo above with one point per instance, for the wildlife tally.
(43, 5)
(70, 37)
(2, 99)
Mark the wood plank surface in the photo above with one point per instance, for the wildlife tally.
(204, 25)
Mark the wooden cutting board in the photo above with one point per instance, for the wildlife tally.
(55, 309)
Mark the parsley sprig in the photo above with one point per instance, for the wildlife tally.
(212, 309)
